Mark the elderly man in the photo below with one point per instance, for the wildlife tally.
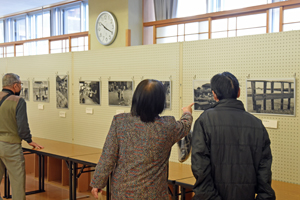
(231, 154)
(13, 129)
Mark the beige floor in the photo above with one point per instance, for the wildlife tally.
(284, 191)
(53, 191)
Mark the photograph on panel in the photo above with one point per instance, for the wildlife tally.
(120, 93)
(89, 92)
(203, 97)
(62, 100)
(40, 91)
(24, 93)
(271, 96)
(167, 86)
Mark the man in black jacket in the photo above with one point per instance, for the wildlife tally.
(231, 155)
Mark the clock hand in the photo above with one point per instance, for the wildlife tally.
(107, 28)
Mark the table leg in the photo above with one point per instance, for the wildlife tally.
(175, 192)
(182, 193)
(70, 166)
(74, 184)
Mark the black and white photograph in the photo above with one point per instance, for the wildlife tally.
(40, 91)
(271, 96)
(167, 86)
(89, 92)
(24, 93)
(203, 97)
(62, 100)
(120, 93)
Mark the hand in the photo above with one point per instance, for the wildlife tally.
(35, 145)
(188, 108)
(107, 28)
(95, 192)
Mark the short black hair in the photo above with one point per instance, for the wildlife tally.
(148, 100)
(225, 86)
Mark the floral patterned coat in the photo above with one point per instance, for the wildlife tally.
(137, 155)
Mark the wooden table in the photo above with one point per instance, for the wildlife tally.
(56, 149)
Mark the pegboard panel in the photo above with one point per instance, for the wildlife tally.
(45, 123)
(159, 62)
(267, 56)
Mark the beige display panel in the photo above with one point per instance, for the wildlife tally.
(273, 56)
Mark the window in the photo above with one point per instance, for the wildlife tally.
(79, 44)
(2, 52)
(19, 50)
(235, 4)
(190, 7)
(20, 29)
(9, 51)
(71, 20)
(59, 46)
(38, 25)
(1, 32)
(291, 19)
(182, 32)
(239, 26)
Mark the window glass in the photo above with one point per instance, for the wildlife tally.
(10, 51)
(181, 29)
(274, 20)
(86, 43)
(219, 25)
(235, 4)
(291, 27)
(72, 20)
(250, 21)
(231, 23)
(231, 33)
(180, 38)
(39, 26)
(46, 24)
(203, 26)
(1, 52)
(291, 15)
(192, 37)
(191, 28)
(203, 36)
(252, 31)
(166, 31)
(1, 32)
(166, 40)
(19, 50)
(190, 7)
(222, 34)
(20, 29)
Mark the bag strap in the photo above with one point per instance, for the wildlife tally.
(4, 98)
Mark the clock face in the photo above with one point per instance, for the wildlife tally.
(106, 28)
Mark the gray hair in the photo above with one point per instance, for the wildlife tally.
(9, 79)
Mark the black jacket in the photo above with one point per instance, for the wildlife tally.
(231, 155)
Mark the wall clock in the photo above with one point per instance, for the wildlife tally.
(106, 28)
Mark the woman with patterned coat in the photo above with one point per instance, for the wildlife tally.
(137, 148)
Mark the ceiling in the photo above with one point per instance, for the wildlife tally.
(8, 7)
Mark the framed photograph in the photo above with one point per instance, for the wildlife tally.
(62, 91)
(120, 93)
(89, 92)
(167, 86)
(203, 97)
(40, 91)
(25, 90)
(271, 96)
